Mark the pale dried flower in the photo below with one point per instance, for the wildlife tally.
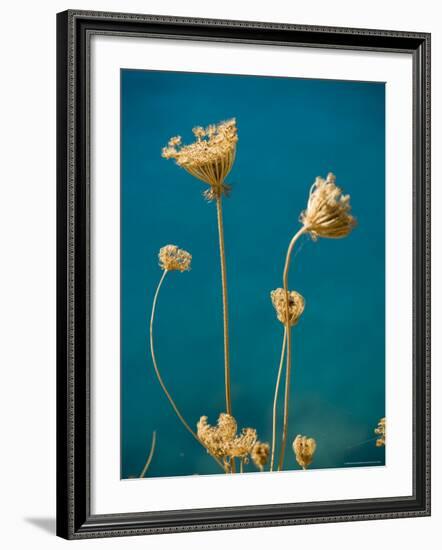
(174, 141)
(328, 210)
(296, 305)
(243, 444)
(304, 449)
(217, 438)
(172, 258)
(222, 440)
(381, 431)
(260, 454)
(210, 158)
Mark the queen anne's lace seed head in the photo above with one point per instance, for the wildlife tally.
(296, 305)
(381, 431)
(222, 440)
(217, 438)
(328, 210)
(260, 454)
(210, 158)
(172, 258)
(304, 449)
(243, 444)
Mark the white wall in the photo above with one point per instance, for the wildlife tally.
(27, 290)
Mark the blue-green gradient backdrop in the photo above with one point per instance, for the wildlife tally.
(290, 131)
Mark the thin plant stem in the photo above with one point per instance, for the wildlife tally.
(275, 400)
(289, 346)
(149, 458)
(222, 254)
(160, 379)
(241, 466)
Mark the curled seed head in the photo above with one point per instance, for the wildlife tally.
(328, 210)
(260, 454)
(304, 449)
(296, 305)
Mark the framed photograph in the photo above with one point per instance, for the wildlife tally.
(243, 274)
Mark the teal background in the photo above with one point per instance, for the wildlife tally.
(290, 131)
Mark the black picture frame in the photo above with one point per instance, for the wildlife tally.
(74, 518)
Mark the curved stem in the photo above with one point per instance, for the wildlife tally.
(289, 345)
(275, 399)
(160, 379)
(222, 254)
(149, 458)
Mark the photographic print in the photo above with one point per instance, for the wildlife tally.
(252, 274)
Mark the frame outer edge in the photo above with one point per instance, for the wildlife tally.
(62, 282)
(71, 523)
(266, 25)
(427, 267)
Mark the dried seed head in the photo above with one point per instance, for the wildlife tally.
(328, 210)
(222, 440)
(210, 158)
(296, 305)
(381, 431)
(172, 258)
(243, 444)
(174, 141)
(304, 449)
(217, 438)
(260, 454)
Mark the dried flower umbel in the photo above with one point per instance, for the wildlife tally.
(328, 210)
(172, 258)
(222, 440)
(210, 159)
(304, 449)
(381, 431)
(260, 454)
(327, 215)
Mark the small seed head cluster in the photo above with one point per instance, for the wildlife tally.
(172, 258)
(328, 210)
(260, 454)
(381, 431)
(296, 305)
(210, 158)
(304, 449)
(222, 440)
